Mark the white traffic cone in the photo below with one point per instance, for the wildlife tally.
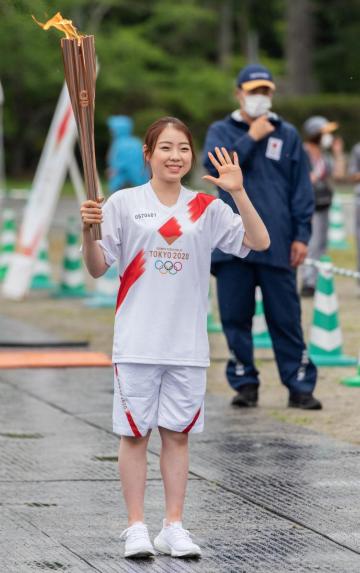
(72, 282)
(353, 380)
(7, 241)
(260, 333)
(42, 272)
(325, 347)
(106, 290)
(212, 325)
(337, 232)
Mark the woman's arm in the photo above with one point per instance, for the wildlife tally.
(256, 235)
(231, 180)
(93, 254)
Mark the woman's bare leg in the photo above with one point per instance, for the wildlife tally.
(174, 466)
(132, 471)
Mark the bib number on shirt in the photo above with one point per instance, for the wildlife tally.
(273, 149)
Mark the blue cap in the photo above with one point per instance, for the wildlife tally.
(255, 76)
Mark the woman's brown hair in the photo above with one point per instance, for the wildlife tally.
(155, 129)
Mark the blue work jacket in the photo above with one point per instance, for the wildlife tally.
(276, 178)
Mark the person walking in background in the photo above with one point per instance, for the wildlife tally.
(354, 174)
(327, 164)
(276, 176)
(125, 158)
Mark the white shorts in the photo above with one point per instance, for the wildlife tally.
(148, 395)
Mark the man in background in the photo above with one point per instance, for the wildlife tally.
(276, 177)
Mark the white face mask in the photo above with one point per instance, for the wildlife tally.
(256, 105)
(326, 140)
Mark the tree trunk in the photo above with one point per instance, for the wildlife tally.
(300, 46)
(226, 33)
(242, 27)
(252, 52)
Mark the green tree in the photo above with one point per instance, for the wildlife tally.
(159, 57)
(337, 38)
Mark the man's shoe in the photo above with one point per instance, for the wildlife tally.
(246, 397)
(174, 540)
(137, 541)
(304, 401)
(307, 291)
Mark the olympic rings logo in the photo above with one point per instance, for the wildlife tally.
(168, 267)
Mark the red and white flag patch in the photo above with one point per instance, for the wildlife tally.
(274, 147)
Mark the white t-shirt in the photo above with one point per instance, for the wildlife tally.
(164, 256)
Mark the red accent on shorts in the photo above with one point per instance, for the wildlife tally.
(131, 274)
(188, 428)
(171, 230)
(198, 205)
(63, 125)
(133, 426)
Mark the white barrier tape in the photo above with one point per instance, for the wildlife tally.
(329, 267)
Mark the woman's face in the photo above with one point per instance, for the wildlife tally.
(172, 156)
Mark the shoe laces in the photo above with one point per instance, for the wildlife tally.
(179, 532)
(137, 531)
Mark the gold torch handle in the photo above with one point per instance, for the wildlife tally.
(80, 73)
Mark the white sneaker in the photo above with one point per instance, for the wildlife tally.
(137, 541)
(176, 541)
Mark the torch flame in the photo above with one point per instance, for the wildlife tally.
(61, 24)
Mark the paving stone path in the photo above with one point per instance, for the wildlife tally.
(263, 496)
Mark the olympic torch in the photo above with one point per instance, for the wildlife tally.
(80, 74)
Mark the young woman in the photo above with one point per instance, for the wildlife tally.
(161, 235)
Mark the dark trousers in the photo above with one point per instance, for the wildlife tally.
(236, 282)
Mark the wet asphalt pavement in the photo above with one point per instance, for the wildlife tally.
(263, 496)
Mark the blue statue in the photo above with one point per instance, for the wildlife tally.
(125, 157)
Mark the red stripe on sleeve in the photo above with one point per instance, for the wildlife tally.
(131, 274)
(198, 205)
(188, 428)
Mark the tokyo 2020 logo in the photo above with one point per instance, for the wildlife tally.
(168, 267)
